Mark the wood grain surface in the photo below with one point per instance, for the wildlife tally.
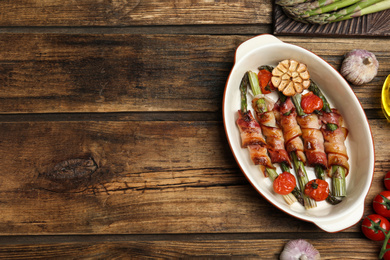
(133, 12)
(50, 73)
(112, 136)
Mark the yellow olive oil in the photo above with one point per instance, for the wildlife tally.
(386, 98)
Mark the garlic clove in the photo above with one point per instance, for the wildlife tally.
(298, 87)
(299, 249)
(306, 84)
(283, 85)
(289, 90)
(359, 66)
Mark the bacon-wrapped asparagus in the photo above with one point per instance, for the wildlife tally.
(272, 132)
(252, 138)
(334, 135)
(294, 145)
(313, 142)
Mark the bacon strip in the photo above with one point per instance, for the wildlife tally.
(252, 138)
(291, 131)
(259, 156)
(273, 136)
(249, 129)
(313, 140)
(334, 140)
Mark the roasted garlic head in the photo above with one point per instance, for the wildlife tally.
(290, 77)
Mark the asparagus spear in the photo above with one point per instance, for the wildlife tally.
(316, 90)
(319, 170)
(321, 10)
(315, 4)
(243, 88)
(374, 8)
(301, 174)
(338, 172)
(289, 2)
(251, 79)
(329, 17)
(296, 192)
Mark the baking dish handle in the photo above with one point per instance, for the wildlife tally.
(345, 222)
(253, 43)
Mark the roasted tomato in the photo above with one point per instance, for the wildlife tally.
(265, 81)
(381, 203)
(373, 226)
(317, 189)
(387, 180)
(284, 183)
(311, 102)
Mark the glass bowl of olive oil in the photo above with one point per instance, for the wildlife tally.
(386, 98)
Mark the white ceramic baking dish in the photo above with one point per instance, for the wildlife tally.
(268, 50)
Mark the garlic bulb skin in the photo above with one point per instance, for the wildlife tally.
(299, 249)
(359, 66)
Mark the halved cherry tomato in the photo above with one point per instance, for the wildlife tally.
(387, 180)
(284, 183)
(373, 226)
(265, 81)
(317, 189)
(311, 102)
(381, 203)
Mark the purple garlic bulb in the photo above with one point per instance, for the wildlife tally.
(359, 66)
(299, 249)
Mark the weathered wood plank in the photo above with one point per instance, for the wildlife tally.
(143, 178)
(260, 248)
(56, 73)
(48, 73)
(192, 29)
(133, 12)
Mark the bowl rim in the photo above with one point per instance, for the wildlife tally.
(309, 218)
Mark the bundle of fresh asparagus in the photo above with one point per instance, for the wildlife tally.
(329, 11)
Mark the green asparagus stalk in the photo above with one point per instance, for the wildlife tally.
(289, 2)
(314, 5)
(296, 192)
(338, 172)
(329, 17)
(254, 84)
(256, 90)
(304, 13)
(289, 12)
(338, 181)
(320, 174)
(301, 9)
(316, 90)
(302, 178)
(296, 99)
(374, 8)
(243, 89)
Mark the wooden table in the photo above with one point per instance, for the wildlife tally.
(112, 137)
